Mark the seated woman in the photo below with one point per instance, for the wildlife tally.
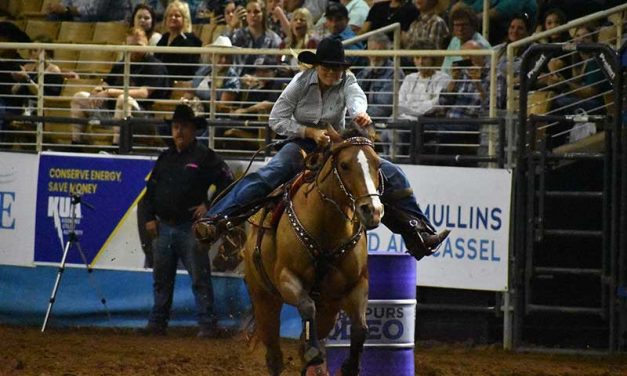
(144, 17)
(518, 29)
(254, 35)
(234, 16)
(300, 36)
(178, 24)
(315, 99)
(588, 84)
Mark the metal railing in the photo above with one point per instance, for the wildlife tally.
(211, 111)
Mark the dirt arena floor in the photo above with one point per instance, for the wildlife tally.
(69, 352)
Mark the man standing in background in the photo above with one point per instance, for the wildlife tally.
(177, 196)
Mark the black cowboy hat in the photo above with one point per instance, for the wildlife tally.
(330, 51)
(185, 114)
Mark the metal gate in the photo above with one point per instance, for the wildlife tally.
(569, 246)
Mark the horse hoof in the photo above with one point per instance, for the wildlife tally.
(317, 370)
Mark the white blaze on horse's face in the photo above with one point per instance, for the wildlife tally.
(369, 208)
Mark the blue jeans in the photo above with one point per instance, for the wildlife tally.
(174, 243)
(285, 165)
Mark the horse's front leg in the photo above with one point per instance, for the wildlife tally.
(355, 305)
(292, 291)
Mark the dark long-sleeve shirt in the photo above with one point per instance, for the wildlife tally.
(179, 182)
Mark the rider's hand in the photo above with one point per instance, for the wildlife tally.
(199, 211)
(152, 227)
(320, 136)
(362, 119)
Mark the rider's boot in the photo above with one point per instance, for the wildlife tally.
(420, 238)
(207, 230)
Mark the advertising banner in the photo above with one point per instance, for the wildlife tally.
(474, 204)
(108, 188)
(18, 184)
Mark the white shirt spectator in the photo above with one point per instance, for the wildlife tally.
(418, 95)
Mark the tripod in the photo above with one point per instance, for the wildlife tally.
(72, 240)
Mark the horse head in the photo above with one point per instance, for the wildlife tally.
(356, 166)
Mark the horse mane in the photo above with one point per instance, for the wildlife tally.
(315, 160)
(357, 131)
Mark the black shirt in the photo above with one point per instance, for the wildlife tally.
(179, 181)
(381, 14)
(181, 67)
(149, 72)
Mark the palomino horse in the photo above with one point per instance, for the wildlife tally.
(316, 258)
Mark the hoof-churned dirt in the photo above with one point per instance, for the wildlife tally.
(89, 351)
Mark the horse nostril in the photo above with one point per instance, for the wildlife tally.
(365, 209)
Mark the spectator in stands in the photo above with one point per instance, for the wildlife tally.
(518, 29)
(467, 93)
(178, 24)
(176, 196)
(316, 7)
(385, 13)
(227, 84)
(429, 26)
(88, 10)
(234, 18)
(254, 35)
(553, 18)
(144, 17)
(337, 26)
(357, 14)
(148, 78)
(262, 88)
(420, 92)
(464, 24)
(26, 77)
(573, 9)
(501, 13)
(585, 87)
(300, 36)
(9, 62)
(377, 80)
(276, 18)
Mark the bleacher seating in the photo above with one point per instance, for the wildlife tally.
(50, 29)
(95, 61)
(38, 13)
(110, 33)
(76, 32)
(66, 59)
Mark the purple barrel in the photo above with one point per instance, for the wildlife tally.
(391, 316)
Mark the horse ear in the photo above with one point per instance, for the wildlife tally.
(333, 135)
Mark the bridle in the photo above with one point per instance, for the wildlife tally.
(353, 141)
